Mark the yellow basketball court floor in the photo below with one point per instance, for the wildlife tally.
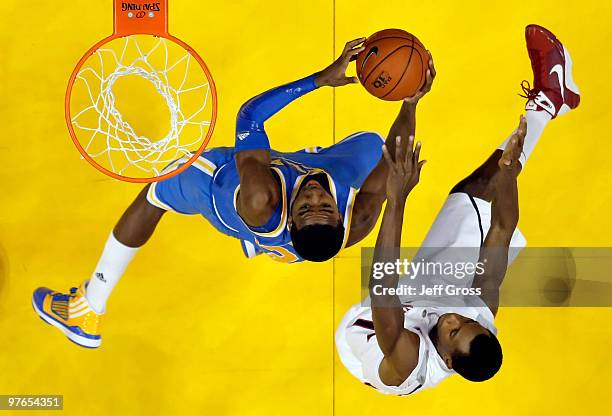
(195, 328)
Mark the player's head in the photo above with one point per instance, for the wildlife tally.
(315, 224)
(467, 347)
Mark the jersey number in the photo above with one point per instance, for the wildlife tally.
(281, 254)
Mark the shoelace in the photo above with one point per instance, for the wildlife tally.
(529, 92)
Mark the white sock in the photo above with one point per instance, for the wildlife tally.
(113, 262)
(536, 121)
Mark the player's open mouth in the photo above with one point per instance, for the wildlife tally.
(312, 184)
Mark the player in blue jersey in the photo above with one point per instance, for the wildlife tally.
(304, 205)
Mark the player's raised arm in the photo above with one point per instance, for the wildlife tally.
(399, 346)
(504, 218)
(259, 191)
(372, 194)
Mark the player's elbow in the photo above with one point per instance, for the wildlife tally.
(367, 210)
(387, 339)
(251, 110)
(366, 218)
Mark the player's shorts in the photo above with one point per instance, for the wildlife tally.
(463, 222)
(189, 192)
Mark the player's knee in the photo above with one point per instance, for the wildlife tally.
(144, 208)
(138, 222)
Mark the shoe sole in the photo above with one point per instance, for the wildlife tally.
(77, 339)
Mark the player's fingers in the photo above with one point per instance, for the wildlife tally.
(411, 145)
(522, 130)
(428, 80)
(516, 149)
(417, 154)
(518, 138)
(506, 160)
(517, 144)
(355, 51)
(414, 98)
(352, 53)
(522, 127)
(432, 68)
(346, 48)
(399, 150)
(348, 80)
(420, 166)
(352, 56)
(510, 153)
(342, 81)
(355, 42)
(352, 43)
(388, 158)
(409, 152)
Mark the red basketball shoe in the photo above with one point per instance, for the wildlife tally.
(554, 90)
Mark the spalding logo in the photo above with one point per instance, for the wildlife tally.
(382, 80)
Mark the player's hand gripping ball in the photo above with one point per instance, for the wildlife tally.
(393, 65)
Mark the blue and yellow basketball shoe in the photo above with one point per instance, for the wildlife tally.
(70, 313)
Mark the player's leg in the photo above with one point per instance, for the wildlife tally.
(479, 183)
(554, 94)
(133, 230)
(464, 219)
(77, 314)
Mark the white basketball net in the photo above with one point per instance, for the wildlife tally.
(109, 137)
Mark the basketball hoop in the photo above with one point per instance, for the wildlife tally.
(140, 48)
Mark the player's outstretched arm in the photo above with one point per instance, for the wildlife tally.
(504, 218)
(259, 191)
(405, 122)
(368, 203)
(400, 347)
(250, 132)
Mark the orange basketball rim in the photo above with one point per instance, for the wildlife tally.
(100, 133)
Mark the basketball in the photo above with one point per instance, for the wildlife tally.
(393, 64)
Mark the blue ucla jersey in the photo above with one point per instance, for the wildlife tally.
(211, 186)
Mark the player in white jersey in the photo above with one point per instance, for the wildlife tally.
(404, 344)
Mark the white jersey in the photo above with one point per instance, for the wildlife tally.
(463, 221)
(359, 351)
